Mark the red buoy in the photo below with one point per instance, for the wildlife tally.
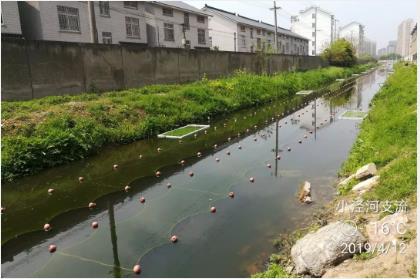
(52, 248)
(191, 174)
(47, 227)
(269, 166)
(169, 185)
(92, 205)
(231, 195)
(199, 154)
(174, 238)
(81, 179)
(137, 269)
(213, 209)
(142, 199)
(115, 166)
(95, 225)
(50, 191)
(158, 174)
(251, 179)
(127, 188)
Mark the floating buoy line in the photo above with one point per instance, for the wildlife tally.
(174, 238)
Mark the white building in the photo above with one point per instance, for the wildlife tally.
(403, 40)
(369, 47)
(354, 33)
(10, 20)
(56, 21)
(165, 24)
(317, 24)
(233, 32)
(391, 47)
(382, 51)
(413, 45)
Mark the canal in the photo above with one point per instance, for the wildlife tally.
(235, 241)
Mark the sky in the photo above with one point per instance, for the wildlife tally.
(380, 17)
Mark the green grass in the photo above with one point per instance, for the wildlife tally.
(54, 130)
(182, 131)
(273, 271)
(388, 138)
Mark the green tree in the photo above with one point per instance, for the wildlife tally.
(390, 56)
(340, 53)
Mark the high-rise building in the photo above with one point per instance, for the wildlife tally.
(354, 32)
(318, 25)
(369, 47)
(413, 45)
(403, 41)
(392, 47)
(382, 51)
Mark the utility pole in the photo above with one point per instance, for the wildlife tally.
(275, 8)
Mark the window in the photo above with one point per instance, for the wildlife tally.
(258, 43)
(252, 48)
(107, 37)
(263, 32)
(186, 21)
(313, 43)
(167, 12)
(68, 18)
(243, 41)
(104, 8)
(242, 28)
(132, 27)
(131, 5)
(258, 31)
(313, 25)
(201, 36)
(251, 33)
(313, 52)
(313, 15)
(313, 34)
(200, 19)
(169, 32)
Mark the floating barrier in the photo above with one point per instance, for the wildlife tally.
(137, 269)
(50, 191)
(92, 205)
(95, 225)
(213, 209)
(142, 199)
(269, 166)
(168, 185)
(158, 173)
(47, 227)
(217, 160)
(174, 239)
(251, 179)
(115, 167)
(81, 179)
(191, 174)
(231, 195)
(52, 248)
(127, 188)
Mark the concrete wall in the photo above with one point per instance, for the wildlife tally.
(34, 69)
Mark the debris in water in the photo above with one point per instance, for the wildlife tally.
(81, 179)
(231, 195)
(217, 160)
(215, 146)
(159, 149)
(300, 141)
(3, 209)
(142, 199)
(213, 209)
(239, 147)
(140, 156)
(289, 149)
(269, 166)
(227, 152)
(174, 238)
(50, 191)
(115, 166)
(198, 154)
(158, 174)
(127, 188)
(191, 174)
(278, 157)
(95, 225)
(251, 179)
(169, 185)
(182, 162)
(92, 205)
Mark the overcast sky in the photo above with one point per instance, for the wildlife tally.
(380, 17)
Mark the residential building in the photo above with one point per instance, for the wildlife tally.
(391, 47)
(413, 45)
(154, 23)
(403, 40)
(10, 20)
(369, 47)
(353, 32)
(55, 21)
(176, 24)
(233, 32)
(317, 24)
(382, 51)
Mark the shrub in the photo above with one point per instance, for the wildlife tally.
(340, 53)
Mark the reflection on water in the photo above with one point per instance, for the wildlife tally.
(232, 242)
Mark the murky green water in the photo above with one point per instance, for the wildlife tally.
(233, 242)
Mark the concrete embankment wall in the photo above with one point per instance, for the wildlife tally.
(35, 69)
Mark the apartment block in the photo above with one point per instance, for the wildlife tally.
(403, 40)
(354, 32)
(317, 24)
(233, 32)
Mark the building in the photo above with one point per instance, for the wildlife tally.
(317, 24)
(391, 47)
(369, 47)
(10, 20)
(403, 40)
(413, 45)
(382, 51)
(158, 24)
(234, 32)
(56, 21)
(353, 32)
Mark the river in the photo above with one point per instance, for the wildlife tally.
(235, 241)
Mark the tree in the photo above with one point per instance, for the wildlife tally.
(390, 56)
(340, 53)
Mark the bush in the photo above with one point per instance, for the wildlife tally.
(340, 53)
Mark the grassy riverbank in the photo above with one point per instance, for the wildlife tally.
(51, 131)
(388, 138)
